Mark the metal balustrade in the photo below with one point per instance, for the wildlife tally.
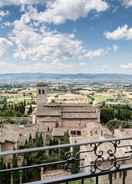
(96, 162)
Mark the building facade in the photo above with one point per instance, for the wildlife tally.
(62, 115)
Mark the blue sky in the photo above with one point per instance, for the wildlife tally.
(66, 36)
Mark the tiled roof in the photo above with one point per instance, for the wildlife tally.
(73, 110)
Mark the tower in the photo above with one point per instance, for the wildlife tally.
(42, 90)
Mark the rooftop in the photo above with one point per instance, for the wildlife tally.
(41, 84)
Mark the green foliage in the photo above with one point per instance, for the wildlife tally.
(86, 181)
(8, 112)
(39, 140)
(33, 158)
(113, 124)
(15, 174)
(42, 156)
(15, 110)
(30, 175)
(116, 116)
(75, 165)
(119, 112)
(4, 178)
(107, 113)
(30, 110)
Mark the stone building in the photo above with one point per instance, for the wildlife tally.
(73, 117)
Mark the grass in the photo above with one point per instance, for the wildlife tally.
(86, 181)
(100, 98)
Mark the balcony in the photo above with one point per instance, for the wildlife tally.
(98, 162)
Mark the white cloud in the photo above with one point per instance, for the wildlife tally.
(95, 53)
(41, 44)
(58, 11)
(7, 24)
(34, 47)
(5, 46)
(40, 67)
(17, 2)
(126, 66)
(3, 13)
(127, 3)
(123, 32)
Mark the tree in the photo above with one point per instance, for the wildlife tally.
(15, 174)
(119, 112)
(30, 110)
(113, 124)
(106, 114)
(75, 165)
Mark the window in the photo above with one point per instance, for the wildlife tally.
(78, 132)
(73, 132)
(43, 92)
(39, 91)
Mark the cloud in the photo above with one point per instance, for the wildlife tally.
(40, 67)
(17, 2)
(5, 46)
(3, 13)
(58, 11)
(126, 66)
(123, 32)
(127, 3)
(42, 44)
(95, 53)
(32, 46)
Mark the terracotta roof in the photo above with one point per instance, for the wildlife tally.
(79, 115)
(49, 119)
(79, 108)
(50, 112)
(58, 109)
(69, 105)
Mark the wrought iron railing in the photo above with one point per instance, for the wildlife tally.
(104, 162)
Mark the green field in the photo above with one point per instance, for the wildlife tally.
(101, 98)
(86, 181)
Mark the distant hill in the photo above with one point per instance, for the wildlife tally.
(33, 77)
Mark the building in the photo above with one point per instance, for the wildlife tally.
(13, 136)
(74, 117)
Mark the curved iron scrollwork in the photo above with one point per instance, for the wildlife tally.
(104, 156)
(71, 159)
(94, 157)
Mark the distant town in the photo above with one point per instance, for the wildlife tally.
(53, 113)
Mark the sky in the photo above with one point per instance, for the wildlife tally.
(66, 36)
